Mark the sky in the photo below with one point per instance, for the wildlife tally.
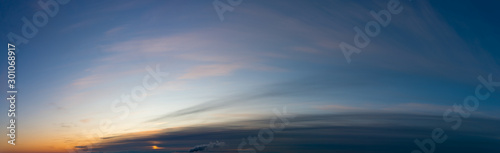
(173, 76)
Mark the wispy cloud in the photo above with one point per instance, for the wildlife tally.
(210, 70)
(115, 30)
(79, 24)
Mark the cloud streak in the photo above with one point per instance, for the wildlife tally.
(374, 132)
(207, 147)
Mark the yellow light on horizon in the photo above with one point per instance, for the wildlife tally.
(155, 147)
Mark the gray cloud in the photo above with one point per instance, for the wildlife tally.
(357, 132)
(206, 147)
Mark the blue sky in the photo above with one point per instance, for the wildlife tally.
(265, 55)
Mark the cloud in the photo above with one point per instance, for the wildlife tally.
(206, 147)
(337, 107)
(317, 85)
(210, 70)
(85, 120)
(79, 24)
(419, 107)
(67, 125)
(104, 74)
(375, 132)
(207, 57)
(82, 148)
(115, 30)
(306, 50)
(297, 87)
(195, 40)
